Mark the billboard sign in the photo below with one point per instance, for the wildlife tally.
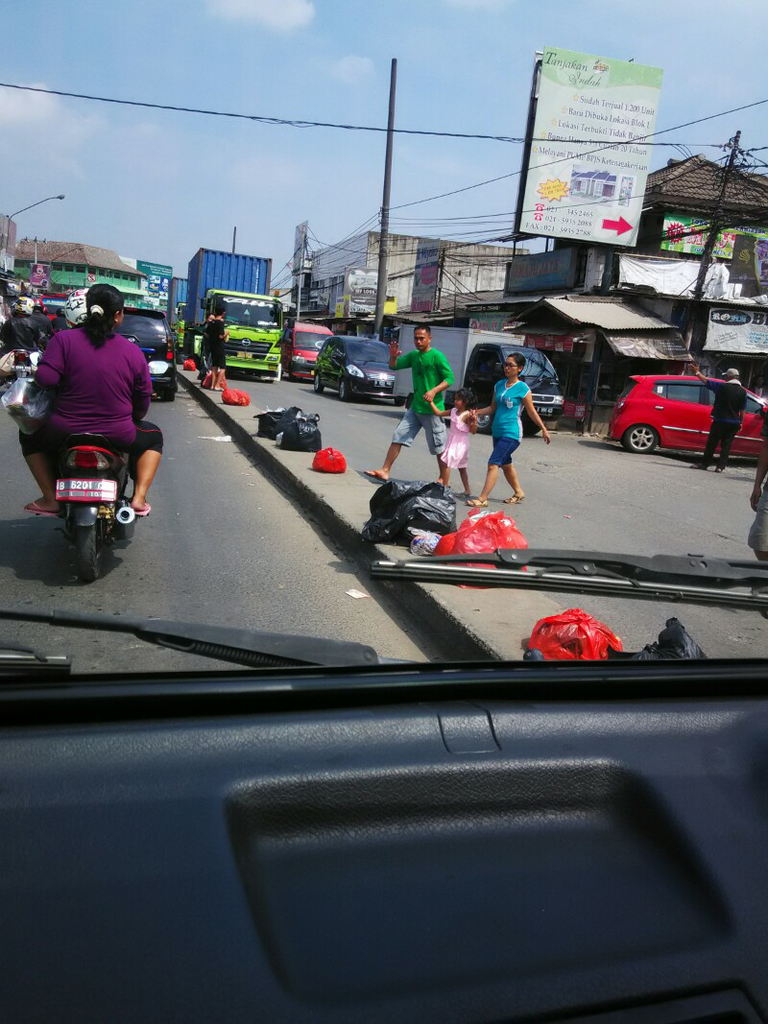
(299, 245)
(158, 281)
(40, 275)
(360, 291)
(7, 244)
(737, 330)
(425, 275)
(745, 247)
(574, 187)
(541, 270)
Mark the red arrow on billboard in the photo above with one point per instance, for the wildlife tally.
(619, 226)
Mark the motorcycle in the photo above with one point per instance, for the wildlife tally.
(18, 363)
(90, 485)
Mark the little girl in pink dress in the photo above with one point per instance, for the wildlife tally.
(455, 455)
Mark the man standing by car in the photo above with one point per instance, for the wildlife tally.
(432, 375)
(727, 416)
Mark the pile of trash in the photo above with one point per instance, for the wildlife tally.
(292, 428)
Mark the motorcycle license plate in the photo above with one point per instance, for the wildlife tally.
(86, 490)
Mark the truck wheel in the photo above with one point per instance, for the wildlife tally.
(640, 439)
(87, 552)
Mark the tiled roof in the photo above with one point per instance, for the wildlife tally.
(696, 183)
(74, 252)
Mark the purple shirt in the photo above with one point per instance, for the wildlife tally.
(100, 390)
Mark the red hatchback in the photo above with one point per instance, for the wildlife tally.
(676, 412)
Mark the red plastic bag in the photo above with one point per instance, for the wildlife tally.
(487, 533)
(328, 460)
(189, 364)
(445, 544)
(232, 396)
(207, 380)
(573, 636)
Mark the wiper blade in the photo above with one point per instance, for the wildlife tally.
(250, 647)
(696, 579)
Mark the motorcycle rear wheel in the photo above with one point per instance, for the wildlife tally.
(88, 551)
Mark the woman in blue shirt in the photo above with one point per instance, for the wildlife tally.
(510, 397)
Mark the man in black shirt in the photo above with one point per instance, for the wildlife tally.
(727, 416)
(39, 320)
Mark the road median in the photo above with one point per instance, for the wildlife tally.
(461, 624)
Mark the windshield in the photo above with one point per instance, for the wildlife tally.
(250, 312)
(367, 352)
(308, 339)
(269, 465)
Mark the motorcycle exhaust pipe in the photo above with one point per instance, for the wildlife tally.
(125, 515)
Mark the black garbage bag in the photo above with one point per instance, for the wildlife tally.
(423, 505)
(302, 435)
(674, 644)
(268, 422)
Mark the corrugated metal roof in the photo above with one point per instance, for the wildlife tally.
(609, 314)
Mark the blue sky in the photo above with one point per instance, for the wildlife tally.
(157, 185)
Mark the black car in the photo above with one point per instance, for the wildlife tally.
(486, 367)
(355, 367)
(148, 328)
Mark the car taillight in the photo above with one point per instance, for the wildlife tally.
(169, 354)
(87, 460)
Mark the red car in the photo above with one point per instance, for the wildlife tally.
(676, 412)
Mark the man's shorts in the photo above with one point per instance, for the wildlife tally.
(412, 423)
(758, 534)
(503, 449)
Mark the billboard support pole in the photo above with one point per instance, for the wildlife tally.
(528, 138)
(381, 282)
(234, 238)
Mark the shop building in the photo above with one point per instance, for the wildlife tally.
(62, 266)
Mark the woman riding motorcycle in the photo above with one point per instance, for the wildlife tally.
(103, 387)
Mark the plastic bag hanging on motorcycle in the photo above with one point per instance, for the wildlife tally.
(28, 404)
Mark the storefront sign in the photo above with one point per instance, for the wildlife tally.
(737, 330)
(542, 270)
(360, 291)
(574, 410)
(158, 281)
(40, 275)
(552, 342)
(575, 187)
(746, 247)
(492, 320)
(425, 275)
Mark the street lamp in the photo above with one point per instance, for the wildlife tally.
(24, 210)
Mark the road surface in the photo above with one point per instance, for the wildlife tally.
(220, 546)
(581, 493)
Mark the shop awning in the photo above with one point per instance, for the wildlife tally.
(648, 344)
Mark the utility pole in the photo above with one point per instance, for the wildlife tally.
(381, 283)
(234, 238)
(300, 277)
(715, 226)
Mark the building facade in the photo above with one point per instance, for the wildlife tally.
(74, 265)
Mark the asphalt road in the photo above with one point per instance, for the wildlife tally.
(220, 546)
(581, 493)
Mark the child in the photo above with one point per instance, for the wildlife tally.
(455, 455)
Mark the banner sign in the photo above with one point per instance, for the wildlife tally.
(543, 270)
(737, 330)
(575, 187)
(425, 275)
(360, 291)
(40, 275)
(299, 245)
(7, 244)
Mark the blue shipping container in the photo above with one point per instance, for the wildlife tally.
(226, 271)
(177, 292)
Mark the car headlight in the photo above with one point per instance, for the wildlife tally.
(354, 371)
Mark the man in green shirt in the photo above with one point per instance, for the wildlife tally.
(431, 376)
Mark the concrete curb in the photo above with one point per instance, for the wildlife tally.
(427, 606)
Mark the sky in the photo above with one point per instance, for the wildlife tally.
(158, 185)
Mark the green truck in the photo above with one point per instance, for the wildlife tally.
(254, 319)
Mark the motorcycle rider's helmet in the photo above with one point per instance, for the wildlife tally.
(74, 308)
(24, 306)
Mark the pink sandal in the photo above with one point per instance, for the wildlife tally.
(36, 510)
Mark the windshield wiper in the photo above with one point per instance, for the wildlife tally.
(696, 579)
(250, 647)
